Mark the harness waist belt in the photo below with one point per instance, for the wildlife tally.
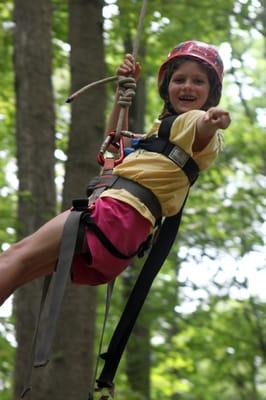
(145, 195)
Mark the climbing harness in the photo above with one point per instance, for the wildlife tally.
(154, 262)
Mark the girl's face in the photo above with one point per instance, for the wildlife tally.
(189, 87)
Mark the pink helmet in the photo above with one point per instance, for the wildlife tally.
(198, 50)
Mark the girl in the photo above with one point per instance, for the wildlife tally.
(190, 84)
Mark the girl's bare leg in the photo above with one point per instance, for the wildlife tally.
(32, 257)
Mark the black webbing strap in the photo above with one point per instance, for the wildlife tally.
(165, 127)
(40, 351)
(175, 154)
(153, 264)
(161, 144)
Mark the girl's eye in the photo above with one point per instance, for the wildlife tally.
(179, 80)
(199, 81)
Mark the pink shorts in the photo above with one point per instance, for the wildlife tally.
(124, 227)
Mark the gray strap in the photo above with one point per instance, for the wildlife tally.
(67, 250)
(41, 344)
(27, 382)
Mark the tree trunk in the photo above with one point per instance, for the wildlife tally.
(87, 116)
(69, 372)
(72, 365)
(35, 151)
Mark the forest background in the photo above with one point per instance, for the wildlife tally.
(202, 332)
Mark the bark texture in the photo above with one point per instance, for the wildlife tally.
(35, 150)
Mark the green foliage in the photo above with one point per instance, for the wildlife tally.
(60, 33)
(7, 353)
(7, 111)
(216, 354)
(6, 68)
(61, 79)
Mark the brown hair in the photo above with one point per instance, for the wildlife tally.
(171, 67)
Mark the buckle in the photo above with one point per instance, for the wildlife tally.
(179, 156)
(79, 204)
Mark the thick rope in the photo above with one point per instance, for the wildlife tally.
(90, 85)
(126, 90)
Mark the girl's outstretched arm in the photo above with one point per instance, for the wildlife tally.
(215, 118)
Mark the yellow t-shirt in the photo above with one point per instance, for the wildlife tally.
(158, 173)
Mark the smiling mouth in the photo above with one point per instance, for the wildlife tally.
(187, 98)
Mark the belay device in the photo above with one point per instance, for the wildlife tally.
(74, 228)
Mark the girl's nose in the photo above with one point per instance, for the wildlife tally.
(187, 83)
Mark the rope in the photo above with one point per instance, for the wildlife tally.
(139, 28)
(90, 85)
(127, 90)
(123, 110)
(109, 293)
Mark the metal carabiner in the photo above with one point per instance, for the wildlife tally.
(106, 143)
